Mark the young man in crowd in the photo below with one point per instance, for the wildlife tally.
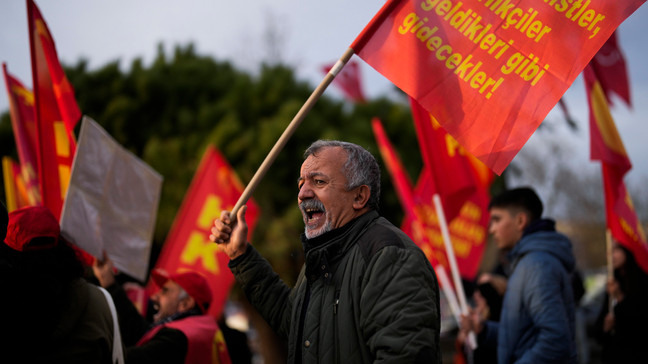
(537, 322)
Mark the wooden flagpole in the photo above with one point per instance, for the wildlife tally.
(610, 266)
(285, 136)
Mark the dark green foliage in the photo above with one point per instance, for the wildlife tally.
(169, 112)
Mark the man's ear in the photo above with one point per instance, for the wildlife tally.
(522, 220)
(361, 197)
(186, 304)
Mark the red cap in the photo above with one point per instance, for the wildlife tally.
(28, 223)
(192, 282)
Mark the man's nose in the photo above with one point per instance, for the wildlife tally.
(305, 192)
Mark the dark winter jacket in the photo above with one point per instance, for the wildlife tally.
(626, 342)
(538, 314)
(366, 294)
(83, 332)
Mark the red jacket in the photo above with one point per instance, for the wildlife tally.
(205, 342)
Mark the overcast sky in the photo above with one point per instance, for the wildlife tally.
(308, 34)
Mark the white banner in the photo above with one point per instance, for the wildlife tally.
(112, 201)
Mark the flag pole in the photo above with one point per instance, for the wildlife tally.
(610, 265)
(448, 291)
(454, 270)
(283, 139)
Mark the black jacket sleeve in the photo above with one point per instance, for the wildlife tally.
(132, 325)
(167, 346)
(265, 290)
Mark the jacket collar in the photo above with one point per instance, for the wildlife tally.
(328, 247)
(539, 225)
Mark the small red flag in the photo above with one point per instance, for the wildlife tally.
(16, 194)
(401, 180)
(621, 215)
(605, 142)
(468, 230)
(56, 113)
(349, 81)
(606, 146)
(489, 71)
(21, 107)
(451, 175)
(610, 69)
(213, 189)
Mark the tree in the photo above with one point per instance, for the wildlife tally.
(169, 112)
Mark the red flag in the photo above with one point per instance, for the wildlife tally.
(606, 146)
(489, 71)
(214, 188)
(610, 69)
(483, 174)
(605, 142)
(21, 107)
(621, 215)
(399, 176)
(16, 194)
(348, 80)
(56, 113)
(468, 231)
(413, 224)
(138, 296)
(451, 175)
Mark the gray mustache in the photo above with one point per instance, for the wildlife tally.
(312, 204)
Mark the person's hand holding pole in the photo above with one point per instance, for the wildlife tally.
(104, 271)
(231, 239)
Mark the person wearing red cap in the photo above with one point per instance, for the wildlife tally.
(50, 314)
(182, 332)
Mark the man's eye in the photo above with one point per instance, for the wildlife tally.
(319, 182)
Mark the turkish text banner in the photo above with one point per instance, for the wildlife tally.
(488, 70)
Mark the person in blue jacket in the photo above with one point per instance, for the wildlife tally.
(537, 322)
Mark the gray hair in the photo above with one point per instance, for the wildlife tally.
(361, 168)
(182, 294)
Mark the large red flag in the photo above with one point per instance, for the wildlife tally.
(451, 175)
(606, 146)
(349, 81)
(213, 189)
(610, 69)
(56, 113)
(489, 71)
(21, 108)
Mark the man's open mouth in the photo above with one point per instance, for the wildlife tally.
(313, 213)
(312, 210)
